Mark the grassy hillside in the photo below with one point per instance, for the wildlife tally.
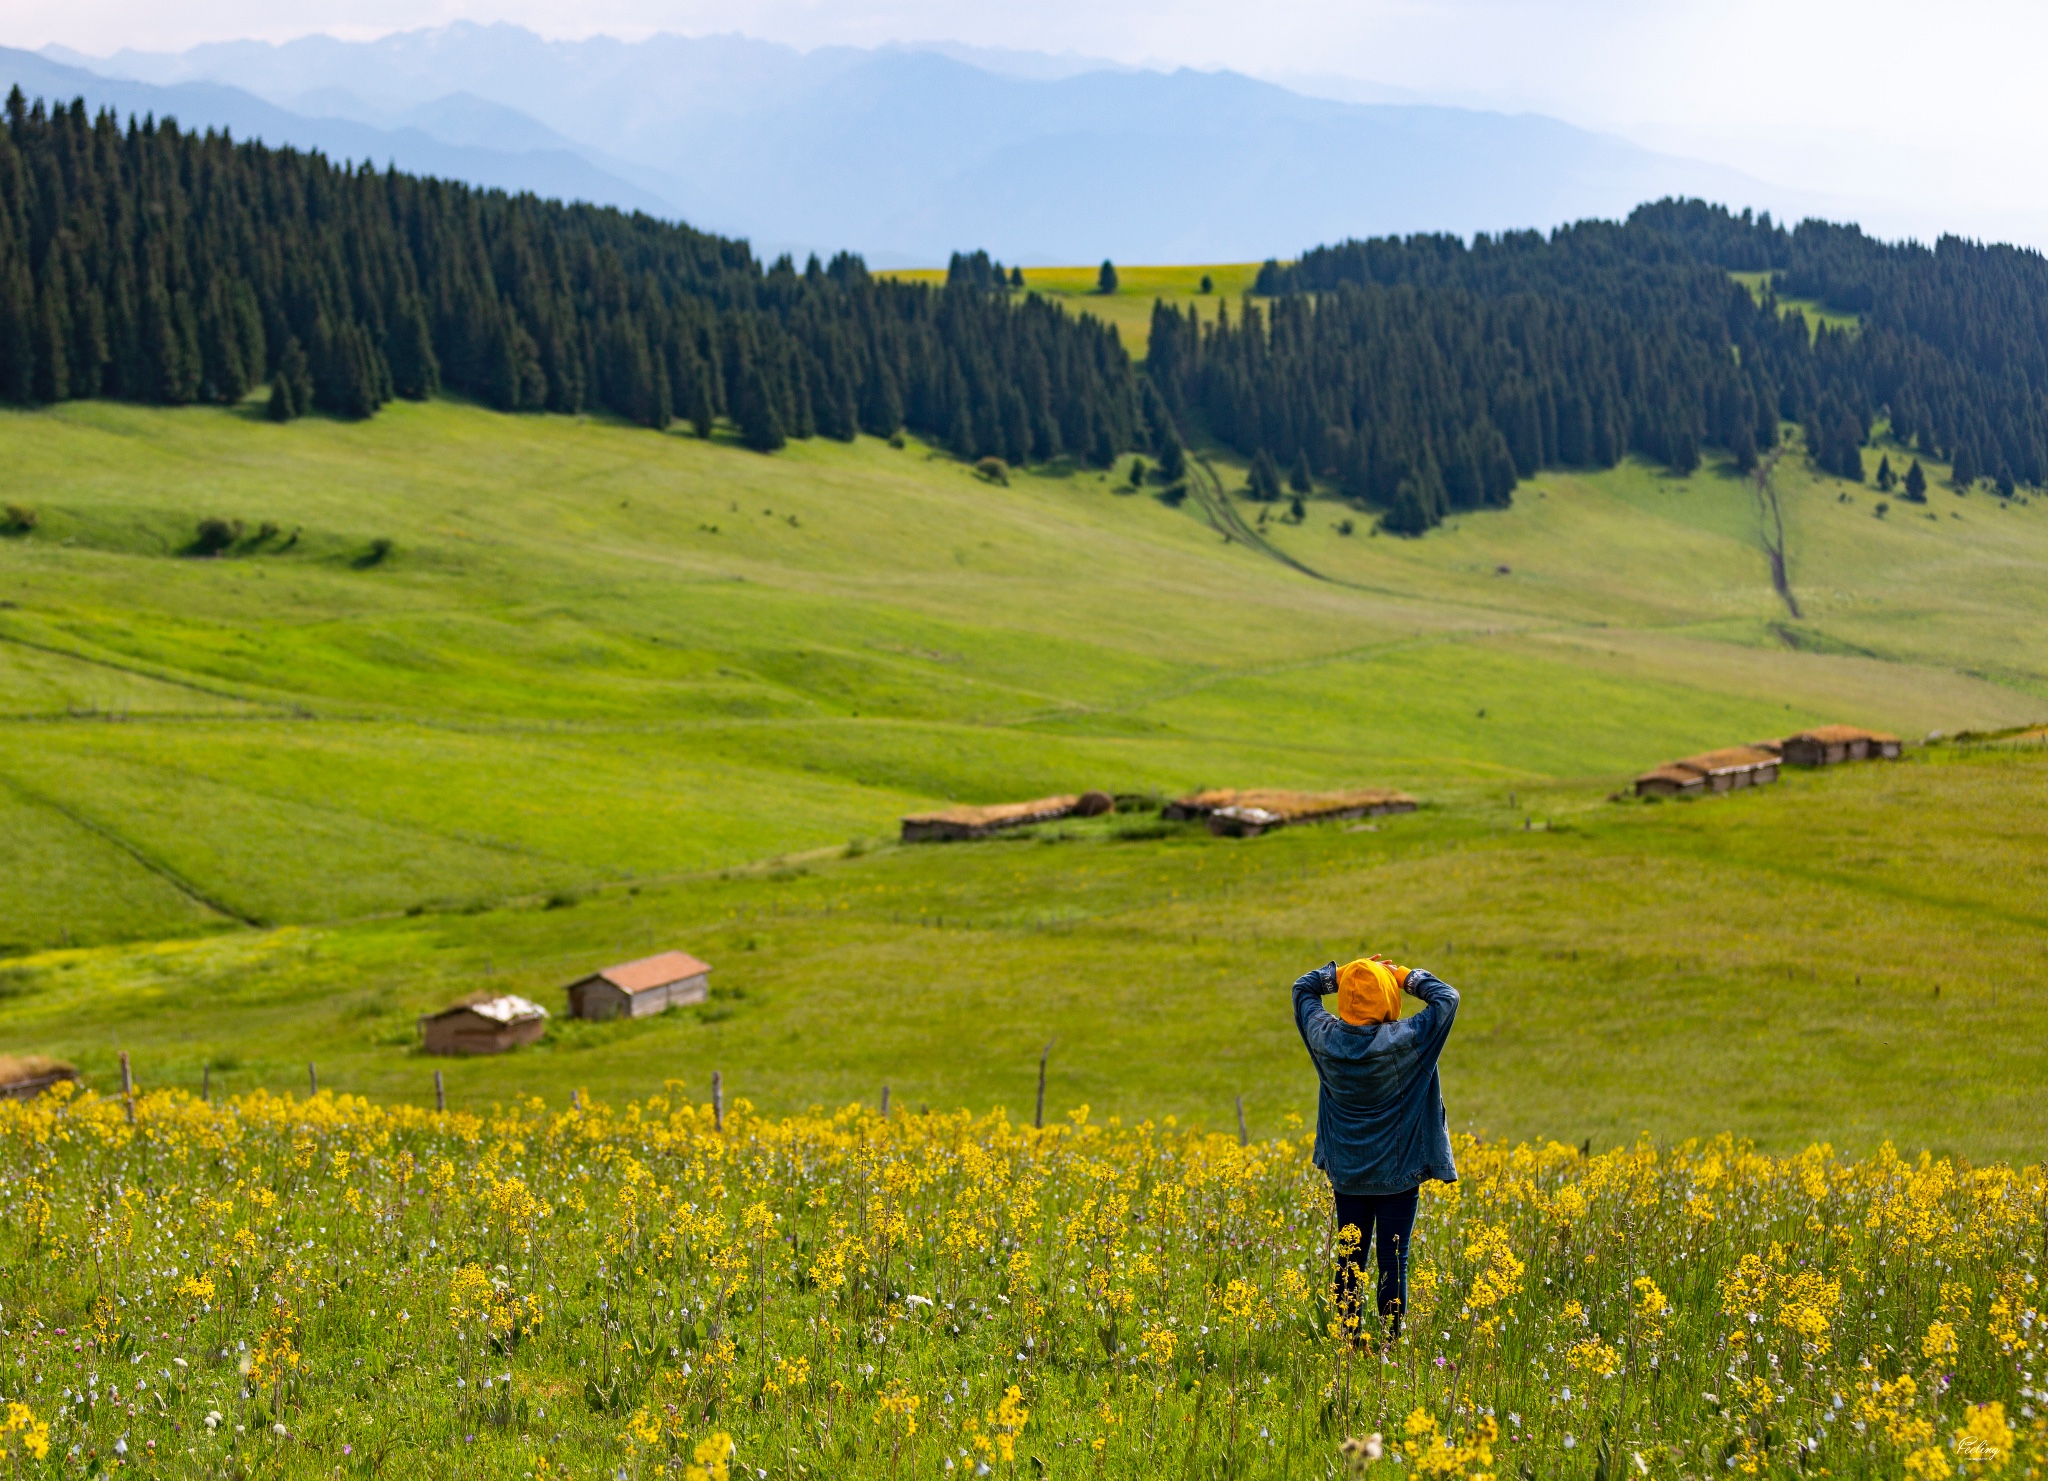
(268, 806)
(1129, 309)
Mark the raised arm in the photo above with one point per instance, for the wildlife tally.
(1433, 1023)
(1310, 988)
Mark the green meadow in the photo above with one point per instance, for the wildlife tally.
(1129, 309)
(485, 701)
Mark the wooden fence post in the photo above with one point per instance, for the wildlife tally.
(1038, 1117)
(717, 1101)
(885, 1103)
(127, 1088)
(440, 1093)
(206, 1083)
(1241, 1137)
(312, 1079)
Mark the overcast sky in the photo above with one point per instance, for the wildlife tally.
(1925, 116)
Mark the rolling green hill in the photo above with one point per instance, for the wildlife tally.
(460, 668)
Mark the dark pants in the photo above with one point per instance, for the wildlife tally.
(1386, 1224)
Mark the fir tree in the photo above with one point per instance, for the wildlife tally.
(1299, 477)
(1916, 483)
(755, 410)
(1743, 448)
(1884, 475)
(1173, 461)
(1208, 284)
(1105, 281)
(1685, 453)
(1262, 483)
(1137, 473)
(1963, 468)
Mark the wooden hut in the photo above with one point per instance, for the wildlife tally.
(637, 989)
(1713, 771)
(1248, 812)
(1824, 745)
(26, 1076)
(483, 1023)
(1672, 779)
(952, 824)
(1735, 766)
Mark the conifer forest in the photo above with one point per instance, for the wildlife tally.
(1421, 375)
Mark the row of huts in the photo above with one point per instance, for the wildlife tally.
(491, 1023)
(1229, 812)
(482, 1023)
(1757, 764)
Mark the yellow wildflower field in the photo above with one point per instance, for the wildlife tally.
(287, 1287)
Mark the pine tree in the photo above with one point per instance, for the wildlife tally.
(1137, 473)
(1685, 453)
(1262, 483)
(1744, 447)
(1884, 475)
(1208, 284)
(1300, 478)
(1916, 483)
(1964, 468)
(754, 409)
(1105, 281)
(1016, 277)
(1173, 461)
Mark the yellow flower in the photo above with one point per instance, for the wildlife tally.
(1009, 1420)
(1591, 1355)
(22, 1433)
(1985, 1440)
(713, 1457)
(900, 1404)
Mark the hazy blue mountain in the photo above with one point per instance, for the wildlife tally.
(908, 153)
(559, 169)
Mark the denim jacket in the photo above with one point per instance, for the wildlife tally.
(1380, 1125)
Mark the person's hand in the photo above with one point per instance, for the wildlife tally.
(1400, 972)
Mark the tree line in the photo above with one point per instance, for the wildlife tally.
(1422, 375)
(149, 263)
(1403, 365)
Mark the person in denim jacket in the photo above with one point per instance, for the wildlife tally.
(1381, 1132)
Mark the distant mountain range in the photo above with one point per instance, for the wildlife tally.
(903, 153)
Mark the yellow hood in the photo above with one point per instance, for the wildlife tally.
(1367, 992)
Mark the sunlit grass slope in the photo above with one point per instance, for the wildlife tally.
(1850, 956)
(1129, 309)
(336, 781)
(598, 654)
